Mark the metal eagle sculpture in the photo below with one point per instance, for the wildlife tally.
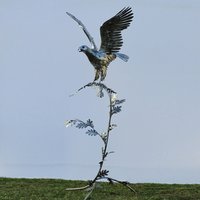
(111, 42)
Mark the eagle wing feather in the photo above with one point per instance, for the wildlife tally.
(84, 29)
(110, 31)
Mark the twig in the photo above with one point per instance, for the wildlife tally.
(124, 183)
(78, 188)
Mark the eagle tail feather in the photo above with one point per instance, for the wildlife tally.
(122, 56)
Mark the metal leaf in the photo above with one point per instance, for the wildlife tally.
(103, 173)
(120, 101)
(92, 132)
(90, 123)
(69, 123)
(81, 124)
(116, 109)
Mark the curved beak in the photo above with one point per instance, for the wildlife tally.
(79, 49)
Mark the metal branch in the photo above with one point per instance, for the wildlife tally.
(124, 183)
(102, 174)
(104, 153)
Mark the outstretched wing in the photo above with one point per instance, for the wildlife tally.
(111, 38)
(85, 30)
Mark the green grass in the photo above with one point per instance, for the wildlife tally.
(47, 189)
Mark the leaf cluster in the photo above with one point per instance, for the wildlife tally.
(83, 125)
(103, 173)
(116, 107)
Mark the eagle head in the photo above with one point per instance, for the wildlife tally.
(83, 48)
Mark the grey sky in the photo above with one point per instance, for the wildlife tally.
(158, 133)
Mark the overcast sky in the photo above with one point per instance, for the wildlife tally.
(158, 133)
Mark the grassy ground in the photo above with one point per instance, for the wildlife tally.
(50, 189)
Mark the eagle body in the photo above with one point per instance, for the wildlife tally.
(99, 60)
(111, 42)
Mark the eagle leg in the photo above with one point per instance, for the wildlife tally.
(96, 74)
(103, 72)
